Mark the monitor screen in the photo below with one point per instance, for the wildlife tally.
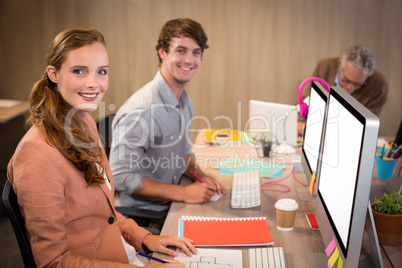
(313, 128)
(345, 173)
(270, 117)
(340, 166)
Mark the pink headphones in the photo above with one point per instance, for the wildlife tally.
(303, 107)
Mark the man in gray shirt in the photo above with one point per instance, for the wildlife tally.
(150, 149)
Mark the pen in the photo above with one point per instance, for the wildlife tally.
(382, 152)
(151, 258)
(389, 148)
(198, 179)
(396, 153)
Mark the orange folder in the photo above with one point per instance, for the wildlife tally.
(226, 231)
(222, 135)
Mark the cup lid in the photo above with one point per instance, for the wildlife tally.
(286, 204)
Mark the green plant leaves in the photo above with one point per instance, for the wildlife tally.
(389, 203)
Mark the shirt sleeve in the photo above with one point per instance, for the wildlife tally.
(131, 138)
(131, 232)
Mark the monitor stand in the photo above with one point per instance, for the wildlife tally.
(367, 259)
(372, 258)
(305, 195)
(317, 260)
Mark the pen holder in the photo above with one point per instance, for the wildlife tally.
(385, 167)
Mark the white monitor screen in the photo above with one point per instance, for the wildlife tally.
(271, 117)
(339, 169)
(313, 128)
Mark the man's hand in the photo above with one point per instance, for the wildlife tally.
(198, 192)
(219, 189)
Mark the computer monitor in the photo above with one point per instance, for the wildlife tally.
(271, 117)
(313, 128)
(344, 175)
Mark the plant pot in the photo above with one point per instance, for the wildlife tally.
(266, 150)
(389, 228)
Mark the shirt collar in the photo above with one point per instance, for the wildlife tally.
(337, 78)
(167, 94)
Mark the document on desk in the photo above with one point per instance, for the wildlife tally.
(215, 197)
(211, 257)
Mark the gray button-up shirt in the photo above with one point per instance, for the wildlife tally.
(151, 137)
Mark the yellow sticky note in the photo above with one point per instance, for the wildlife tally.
(340, 262)
(334, 257)
(312, 183)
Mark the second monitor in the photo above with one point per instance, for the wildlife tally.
(313, 128)
(271, 117)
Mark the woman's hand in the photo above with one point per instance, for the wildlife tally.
(171, 264)
(160, 243)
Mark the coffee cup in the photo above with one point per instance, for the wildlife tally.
(286, 214)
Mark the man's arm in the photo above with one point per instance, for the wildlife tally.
(193, 193)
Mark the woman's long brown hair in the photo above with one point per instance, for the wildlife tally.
(51, 113)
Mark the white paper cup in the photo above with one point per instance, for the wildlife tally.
(286, 214)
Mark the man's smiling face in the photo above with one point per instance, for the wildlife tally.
(180, 63)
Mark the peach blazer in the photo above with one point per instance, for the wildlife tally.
(68, 223)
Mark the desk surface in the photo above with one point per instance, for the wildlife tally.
(9, 112)
(297, 244)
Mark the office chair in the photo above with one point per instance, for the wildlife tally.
(13, 211)
(104, 126)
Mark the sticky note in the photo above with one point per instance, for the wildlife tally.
(334, 257)
(312, 183)
(331, 247)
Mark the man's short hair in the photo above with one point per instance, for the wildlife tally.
(178, 28)
(361, 58)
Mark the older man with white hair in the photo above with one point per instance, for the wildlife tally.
(355, 72)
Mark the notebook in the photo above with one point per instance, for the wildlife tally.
(206, 231)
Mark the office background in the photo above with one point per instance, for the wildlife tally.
(259, 49)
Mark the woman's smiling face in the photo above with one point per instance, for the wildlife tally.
(83, 78)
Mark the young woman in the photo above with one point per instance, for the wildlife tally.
(61, 175)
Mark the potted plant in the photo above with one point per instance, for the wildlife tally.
(387, 212)
(266, 141)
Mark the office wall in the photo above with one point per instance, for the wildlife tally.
(259, 49)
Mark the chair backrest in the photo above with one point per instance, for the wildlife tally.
(104, 126)
(13, 211)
